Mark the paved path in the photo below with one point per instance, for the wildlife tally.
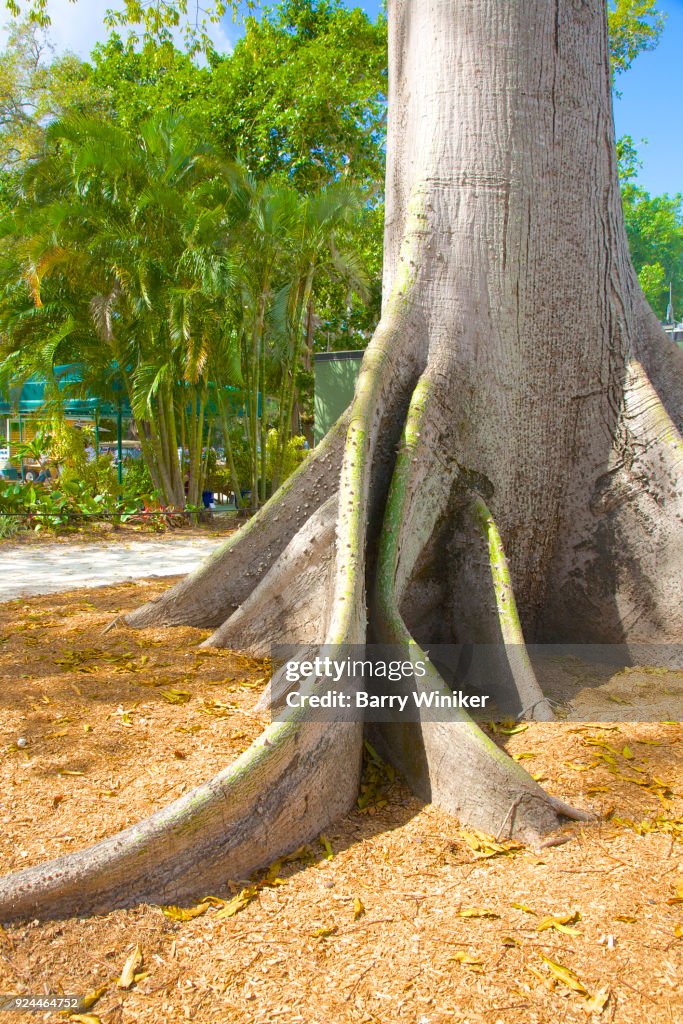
(49, 568)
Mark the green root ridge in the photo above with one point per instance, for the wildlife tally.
(361, 436)
(508, 616)
(386, 598)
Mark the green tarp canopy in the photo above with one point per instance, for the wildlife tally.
(30, 397)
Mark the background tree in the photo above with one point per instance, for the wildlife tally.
(127, 81)
(105, 238)
(137, 82)
(654, 225)
(35, 88)
(304, 92)
(137, 247)
(634, 26)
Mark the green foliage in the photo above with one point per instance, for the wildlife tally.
(36, 87)
(34, 449)
(345, 319)
(240, 453)
(304, 94)
(654, 225)
(634, 26)
(10, 525)
(80, 486)
(652, 279)
(79, 496)
(65, 446)
(155, 20)
(294, 454)
(97, 478)
(38, 507)
(137, 82)
(114, 236)
(137, 483)
(137, 247)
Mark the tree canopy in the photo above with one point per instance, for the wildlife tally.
(634, 26)
(654, 225)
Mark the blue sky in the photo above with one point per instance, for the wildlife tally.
(649, 108)
(651, 104)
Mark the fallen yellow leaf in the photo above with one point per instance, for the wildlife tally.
(598, 1002)
(214, 901)
(238, 902)
(560, 924)
(475, 912)
(509, 730)
(89, 1000)
(547, 982)
(484, 845)
(184, 913)
(327, 847)
(565, 975)
(130, 968)
(174, 696)
(466, 960)
(678, 898)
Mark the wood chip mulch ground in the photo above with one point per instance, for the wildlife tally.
(397, 914)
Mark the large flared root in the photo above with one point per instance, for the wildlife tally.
(293, 598)
(217, 588)
(277, 795)
(484, 612)
(450, 761)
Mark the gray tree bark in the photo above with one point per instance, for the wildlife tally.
(508, 467)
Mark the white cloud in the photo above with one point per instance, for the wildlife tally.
(77, 27)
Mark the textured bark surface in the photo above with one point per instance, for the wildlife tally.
(508, 468)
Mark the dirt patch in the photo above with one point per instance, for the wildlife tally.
(396, 915)
(586, 690)
(58, 565)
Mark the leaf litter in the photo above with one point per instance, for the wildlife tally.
(395, 914)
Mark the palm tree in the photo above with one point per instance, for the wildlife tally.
(144, 250)
(317, 250)
(105, 236)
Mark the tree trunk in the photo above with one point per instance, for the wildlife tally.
(508, 467)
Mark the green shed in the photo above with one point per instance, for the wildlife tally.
(335, 381)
